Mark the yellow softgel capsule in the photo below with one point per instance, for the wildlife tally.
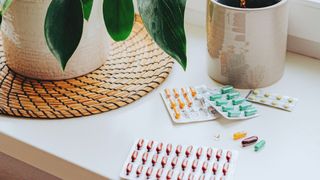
(181, 103)
(177, 114)
(189, 102)
(193, 92)
(167, 92)
(172, 103)
(184, 92)
(239, 135)
(175, 92)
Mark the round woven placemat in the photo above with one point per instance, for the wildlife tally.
(134, 68)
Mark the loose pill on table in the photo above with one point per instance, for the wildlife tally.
(176, 93)
(194, 165)
(181, 103)
(215, 97)
(159, 173)
(140, 144)
(239, 135)
(245, 106)
(259, 145)
(204, 167)
(226, 89)
(209, 153)
(129, 168)
(226, 108)
(221, 102)
(167, 92)
(189, 150)
(164, 161)
(169, 149)
(150, 145)
(215, 168)
(149, 172)
(234, 113)
(199, 152)
(159, 148)
(189, 102)
(233, 95)
(238, 101)
(193, 92)
(219, 154)
(184, 92)
(177, 114)
(250, 112)
(228, 156)
(144, 157)
(154, 159)
(134, 156)
(169, 174)
(225, 168)
(180, 176)
(184, 164)
(139, 170)
(249, 141)
(172, 103)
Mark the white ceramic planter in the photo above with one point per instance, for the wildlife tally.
(26, 49)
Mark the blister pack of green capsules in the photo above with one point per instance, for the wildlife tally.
(230, 104)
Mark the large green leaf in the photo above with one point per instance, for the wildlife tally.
(119, 18)
(63, 28)
(164, 20)
(5, 4)
(87, 7)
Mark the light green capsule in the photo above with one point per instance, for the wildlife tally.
(238, 101)
(259, 145)
(226, 89)
(234, 113)
(233, 95)
(227, 108)
(215, 97)
(245, 106)
(221, 102)
(250, 112)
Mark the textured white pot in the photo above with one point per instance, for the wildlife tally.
(26, 50)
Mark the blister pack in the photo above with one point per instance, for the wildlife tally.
(271, 99)
(230, 104)
(157, 160)
(187, 105)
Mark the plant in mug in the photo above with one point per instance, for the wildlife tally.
(163, 19)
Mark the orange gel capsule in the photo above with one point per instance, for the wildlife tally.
(184, 92)
(172, 103)
(167, 92)
(193, 92)
(181, 103)
(175, 92)
(188, 101)
(176, 113)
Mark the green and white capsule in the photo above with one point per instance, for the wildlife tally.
(259, 145)
(234, 113)
(244, 106)
(226, 89)
(233, 95)
(215, 97)
(227, 108)
(221, 102)
(250, 112)
(238, 101)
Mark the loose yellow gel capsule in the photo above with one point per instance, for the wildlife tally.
(193, 92)
(172, 103)
(176, 113)
(184, 92)
(181, 103)
(188, 101)
(239, 135)
(167, 92)
(175, 92)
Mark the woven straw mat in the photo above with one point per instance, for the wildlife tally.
(134, 68)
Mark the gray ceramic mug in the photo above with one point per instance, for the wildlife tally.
(246, 47)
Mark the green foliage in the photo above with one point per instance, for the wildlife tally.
(87, 7)
(118, 18)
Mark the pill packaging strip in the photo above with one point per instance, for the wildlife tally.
(222, 166)
(271, 99)
(200, 109)
(240, 111)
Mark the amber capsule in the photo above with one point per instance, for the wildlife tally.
(193, 92)
(164, 161)
(176, 93)
(149, 172)
(140, 144)
(178, 150)
(177, 114)
(189, 102)
(169, 149)
(167, 92)
(209, 153)
(159, 173)
(219, 154)
(189, 150)
(149, 145)
(139, 170)
(199, 152)
(134, 156)
(184, 92)
(144, 157)
(225, 168)
(172, 103)
(159, 148)
(181, 103)
(129, 168)
(154, 159)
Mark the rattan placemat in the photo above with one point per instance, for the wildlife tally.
(134, 68)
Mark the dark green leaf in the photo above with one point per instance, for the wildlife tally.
(118, 18)
(63, 28)
(164, 20)
(5, 5)
(87, 7)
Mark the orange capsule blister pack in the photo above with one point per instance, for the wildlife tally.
(188, 104)
(149, 159)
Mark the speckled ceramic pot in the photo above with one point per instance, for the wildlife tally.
(246, 47)
(26, 49)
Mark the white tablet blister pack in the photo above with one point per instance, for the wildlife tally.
(187, 105)
(157, 160)
(271, 99)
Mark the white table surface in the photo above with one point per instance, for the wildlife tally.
(100, 143)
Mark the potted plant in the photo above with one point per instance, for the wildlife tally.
(61, 39)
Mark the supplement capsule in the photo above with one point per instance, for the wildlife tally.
(129, 168)
(193, 92)
(176, 93)
(177, 114)
(174, 162)
(202, 177)
(250, 112)
(215, 97)
(233, 95)
(189, 102)
(139, 170)
(167, 92)
(140, 144)
(144, 157)
(191, 177)
(259, 145)
(209, 153)
(199, 152)
(267, 95)
(181, 103)
(149, 145)
(226, 89)
(204, 167)
(274, 103)
(184, 164)
(233, 113)
(219, 154)
(249, 141)
(286, 106)
(215, 168)
(189, 150)
(212, 110)
(149, 172)
(245, 106)
(164, 161)
(239, 135)
(279, 97)
(194, 165)
(263, 100)
(154, 159)
(227, 108)
(238, 101)
(169, 149)
(184, 92)
(256, 92)
(169, 174)
(159, 148)
(221, 102)
(290, 100)
(228, 156)
(134, 156)
(178, 150)
(172, 104)
(159, 173)
(225, 168)
(180, 176)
